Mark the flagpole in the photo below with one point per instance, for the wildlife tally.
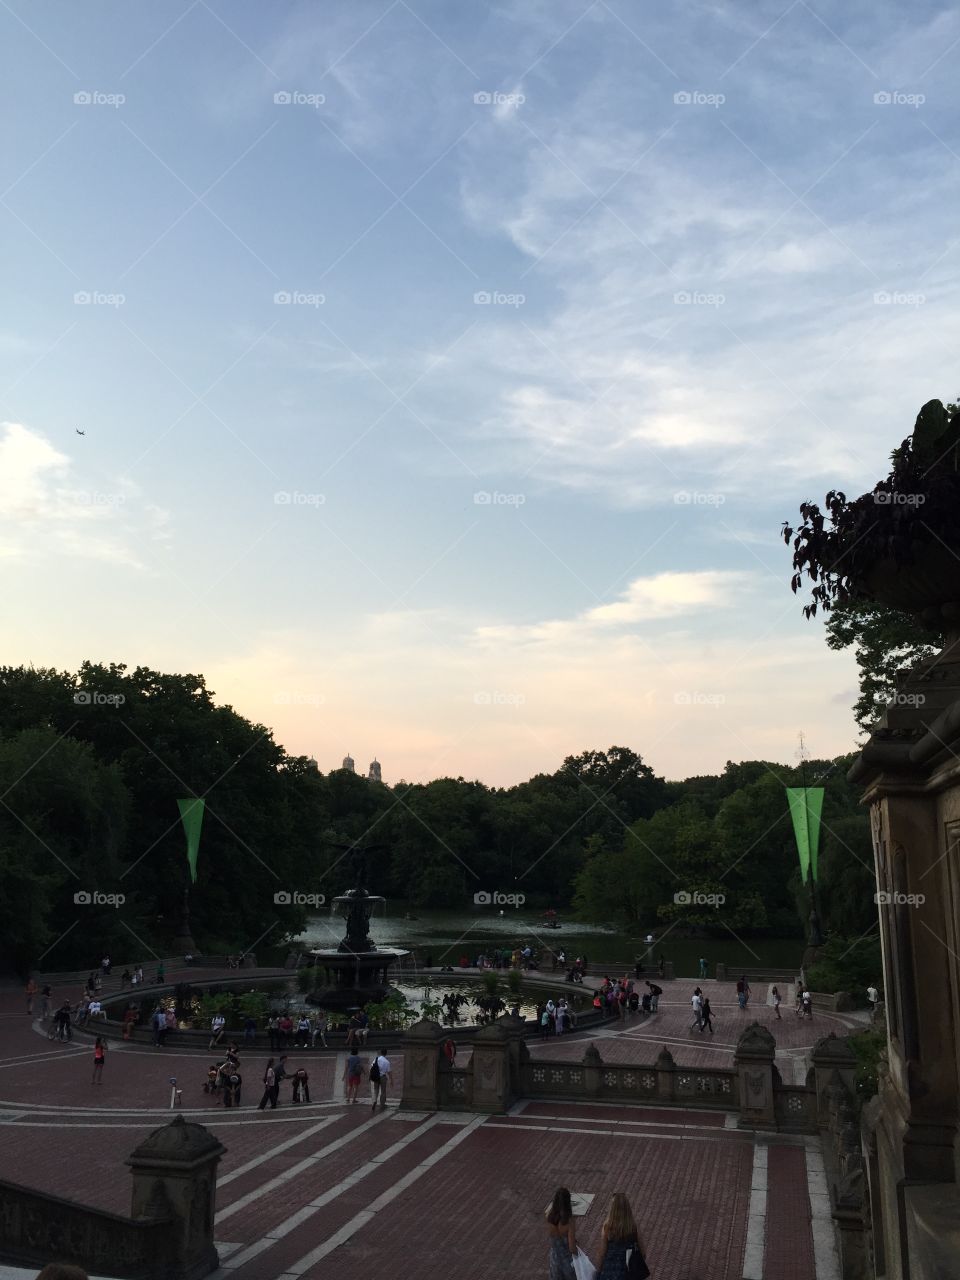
(815, 938)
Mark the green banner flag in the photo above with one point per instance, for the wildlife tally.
(806, 806)
(191, 814)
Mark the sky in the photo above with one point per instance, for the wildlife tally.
(446, 371)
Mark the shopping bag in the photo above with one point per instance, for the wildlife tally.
(583, 1268)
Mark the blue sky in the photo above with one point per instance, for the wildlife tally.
(719, 247)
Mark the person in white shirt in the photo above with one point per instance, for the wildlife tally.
(217, 1025)
(379, 1079)
(95, 1010)
(696, 1000)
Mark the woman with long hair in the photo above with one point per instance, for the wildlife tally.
(620, 1235)
(562, 1235)
(99, 1057)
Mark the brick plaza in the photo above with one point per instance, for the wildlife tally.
(326, 1190)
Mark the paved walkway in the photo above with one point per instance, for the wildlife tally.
(325, 1190)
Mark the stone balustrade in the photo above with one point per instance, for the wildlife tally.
(169, 1235)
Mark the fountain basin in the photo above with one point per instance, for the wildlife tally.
(353, 978)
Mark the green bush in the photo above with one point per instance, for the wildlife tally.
(847, 964)
(869, 1046)
(491, 983)
(252, 1004)
(514, 981)
(306, 979)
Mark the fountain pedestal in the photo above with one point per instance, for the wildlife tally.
(358, 971)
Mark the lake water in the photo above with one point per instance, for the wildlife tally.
(445, 936)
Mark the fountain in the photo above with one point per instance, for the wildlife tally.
(358, 968)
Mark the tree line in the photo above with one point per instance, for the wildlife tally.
(92, 764)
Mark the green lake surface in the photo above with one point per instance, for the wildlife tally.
(444, 936)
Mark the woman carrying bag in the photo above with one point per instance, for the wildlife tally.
(562, 1235)
(621, 1257)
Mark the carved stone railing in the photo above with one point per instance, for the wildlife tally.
(169, 1235)
(36, 1227)
(455, 1088)
(795, 1107)
(502, 1070)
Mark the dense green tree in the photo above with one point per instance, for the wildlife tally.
(884, 642)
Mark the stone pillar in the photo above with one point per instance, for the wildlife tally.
(175, 1174)
(720, 971)
(592, 1071)
(911, 782)
(753, 1060)
(518, 1052)
(831, 1054)
(421, 1064)
(666, 1068)
(491, 1069)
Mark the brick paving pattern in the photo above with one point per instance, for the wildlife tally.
(327, 1189)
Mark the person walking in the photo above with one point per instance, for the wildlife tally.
(45, 996)
(62, 1019)
(706, 1015)
(703, 967)
(269, 1087)
(776, 1001)
(661, 966)
(379, 1079)
(159, 1027)
(806, 1007)
(562, 1235)
(280, 1074)
(320, 1029)
(746, 990)
(655, 994)
(99, 1054)
(352, 1073)
(696, 1000)
(621, 1240)
(31, 993)
(741, 993)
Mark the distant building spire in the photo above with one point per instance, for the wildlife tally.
(374, 772)
(348, 763)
